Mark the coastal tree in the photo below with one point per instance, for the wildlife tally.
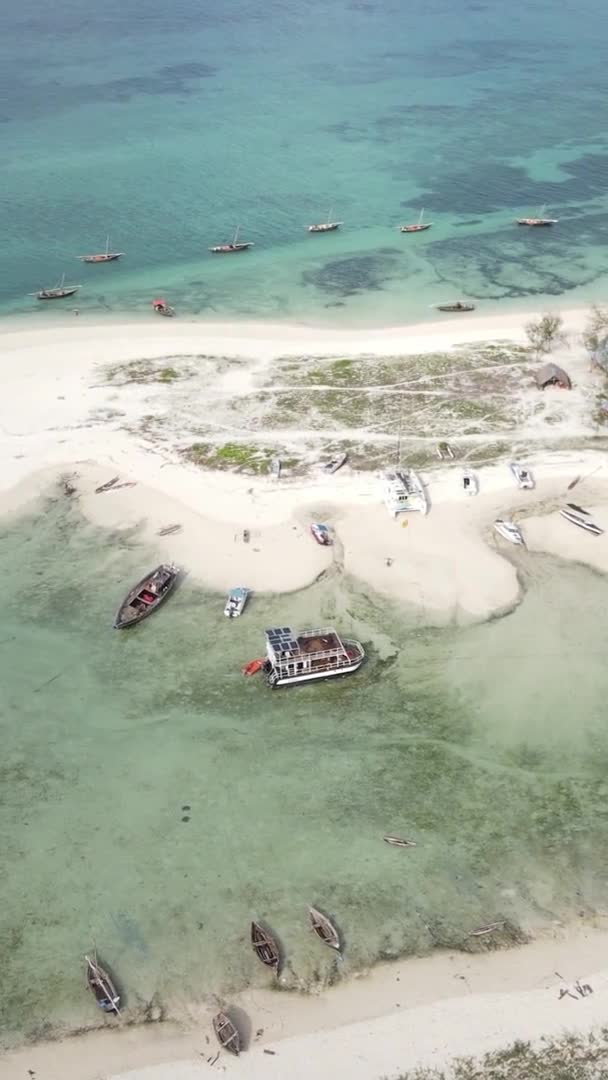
(595, 335)
(545, 333)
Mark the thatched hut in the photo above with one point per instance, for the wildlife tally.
(552, 375)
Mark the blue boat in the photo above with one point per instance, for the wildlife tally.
(321, 534)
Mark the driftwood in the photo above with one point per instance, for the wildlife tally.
(169, 530)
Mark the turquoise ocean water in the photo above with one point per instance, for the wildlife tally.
(153, 801)
(168, 125)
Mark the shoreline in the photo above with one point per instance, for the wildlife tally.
(404, 1014)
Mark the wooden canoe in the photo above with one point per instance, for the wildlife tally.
(101, 986)
(398, 841)
(146, 596)
(227, 1034)
(324, 929)
(265, 946)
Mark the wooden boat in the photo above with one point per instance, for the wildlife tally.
(324, 929)
(420, 226)
(321, 534)
(537, 222)
(523, 476)
(582, 522)
(336, 463)
(444, 451)
(578, 509)
(101, 986)
(105, 256)
(58, 292)
(275, 468)
(146, 596)
(235, 245)
(237, 598)
(458, 306)
(326, 226)
(254, 666)
(489, 929)
(509, 531)
(161, 307)
(227, 1033)
(265, 946)
(398, 841)
(470, 483)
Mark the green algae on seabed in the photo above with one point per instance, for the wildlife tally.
(487, 745)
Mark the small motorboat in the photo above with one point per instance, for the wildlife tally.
(237, 598)
(523, 476)
(458, 306)
(509, 531)
(582, 522)
(419, 226)
(265, 946)
(324, 929)
(146, 596)
(58, 292)
(470, 483)
(336, 463)
(444, 451)
(321, 534)
(101, 986)
(254, 666)
(227, 1033)
(275, 468)
(398, 841)
(161, 307)
(233, 246)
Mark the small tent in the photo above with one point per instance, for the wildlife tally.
(552, 375)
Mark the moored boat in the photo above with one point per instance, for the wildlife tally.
(419, 226)
(237, 598)
(509, 531)
(470, 483)
(523, 476)
(265, 946)
(309, 656)
(398, 841)
(227, 1033)
(146, 596)
(234, 245)
(101, 986)
(458, 306)
(336, 463)
(104, 256)
(58, 292)
(321, 533)
(403, 491)
(325, 226)
(324, 928)
(537, 222)
(582, 522)
(161, 307)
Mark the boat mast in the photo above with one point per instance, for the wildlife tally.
(108, 244)
(329, 215)
(236, 234)
(421, 216)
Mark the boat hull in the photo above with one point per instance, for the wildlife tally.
(101, 258)
(61, 294)
(314, 676)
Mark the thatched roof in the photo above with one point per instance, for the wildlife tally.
(552, 375)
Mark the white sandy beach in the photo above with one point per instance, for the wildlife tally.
(58, 417)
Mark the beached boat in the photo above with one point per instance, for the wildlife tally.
(58, 292)
(237, 598)
(227, 1033)
(458, 306)
(326, 226)
(265, 946)
(444, 451)
(583, 522)
(470, 483)
(234, 245)
(577, 509)
(403, 491)
(420, 225)
(309, 656)
(537, 222)
(398, 841)
(509, 531)
(275, 468)
(324, 928)
(146, 596)
(336, 463)
(321, 533)
(101, 986)
(523, 476)
(104, 257)
(161, 307)
(491, 928)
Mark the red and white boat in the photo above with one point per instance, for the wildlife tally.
(321, 534)
(104, 256)
(537, 222)
(161, 307)
(420, 225)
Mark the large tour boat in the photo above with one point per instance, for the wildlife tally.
(403, 491)
(312, 654)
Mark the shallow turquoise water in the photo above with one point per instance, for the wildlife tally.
(487, 745)
(167, 126)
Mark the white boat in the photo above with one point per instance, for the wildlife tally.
(334, 464)
(237, 598)
(321, 534)
(582, 522)
(470, 483)
(523, 476)
(310, 655)
(325, 226)
(509, 530)
(403, 491)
